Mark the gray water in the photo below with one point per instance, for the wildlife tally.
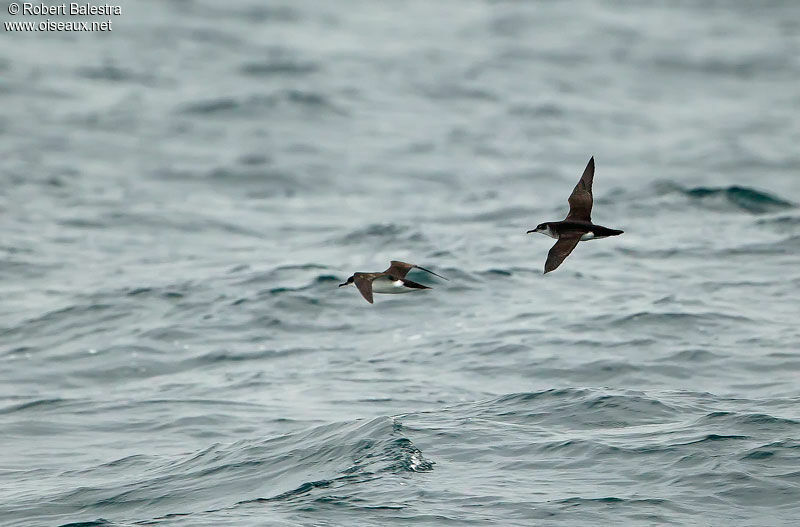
(182, 196)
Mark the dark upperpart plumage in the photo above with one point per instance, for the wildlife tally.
(401, 269)
(576, 225)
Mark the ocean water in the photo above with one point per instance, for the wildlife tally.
(182, 195)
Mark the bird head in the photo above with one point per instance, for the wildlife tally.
(543, 228)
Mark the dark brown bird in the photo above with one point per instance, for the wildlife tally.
(391, 281)
(577, 226)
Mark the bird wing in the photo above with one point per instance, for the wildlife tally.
(559, 252)
(400, 269)
(580, 201)
(409, 283)
(429, 271)
(364, 285)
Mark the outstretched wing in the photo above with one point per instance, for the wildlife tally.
(559, 251)
(429, 271)
(409, 283)
(364, 285)
(580, 201)
(401, 269)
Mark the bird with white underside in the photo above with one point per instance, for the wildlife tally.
(577, 226)
(391, 281)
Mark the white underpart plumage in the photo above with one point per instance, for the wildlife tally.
(388, 286)
(548, 232)
(591, 236)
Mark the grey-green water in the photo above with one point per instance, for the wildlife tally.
(180, 198)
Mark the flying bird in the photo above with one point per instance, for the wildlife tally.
(577, 226)
(391, 281)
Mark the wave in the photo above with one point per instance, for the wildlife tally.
(583, 408)
(259, 355)
(667, 320)
(115, 73)
(731, 198)
(743, 66)
(100, 522)
(35, 404)
(279, 67)
(787, 448)
(287, 278)
(373, 466)
(748, 421)
(744, 198)
(782, 223)
(245, 106)
(692, 355)
(57, 323)
(310, 466)
(383, 234)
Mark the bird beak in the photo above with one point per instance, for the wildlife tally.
(344, 284)
(530, 231)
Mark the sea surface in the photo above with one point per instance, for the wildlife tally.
(180, 198)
